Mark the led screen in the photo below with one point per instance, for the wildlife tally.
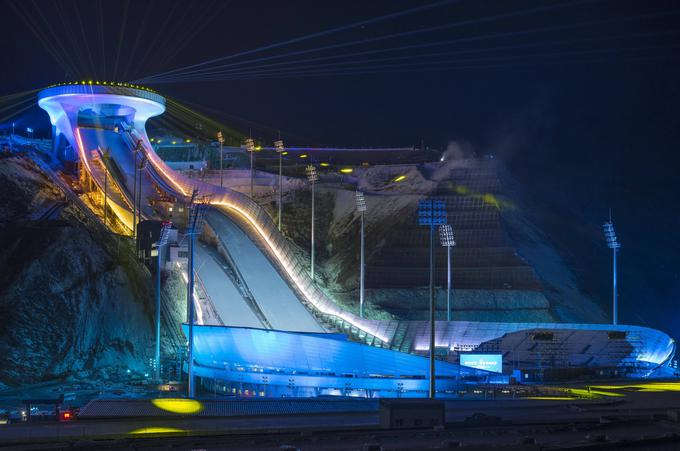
(486, 362)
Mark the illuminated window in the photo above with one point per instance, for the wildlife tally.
(169, 208)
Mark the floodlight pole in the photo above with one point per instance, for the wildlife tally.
(280, 188)
(280, 149)
(220, 138)
(106, 182)
(448, 283)
(615, 300)
(250, 147)
(142, 165)
(312, 176)
(159, 247)
(363, 268)
(158, 314)
(431, 212)
(190, 319)
(134, 196)
(361, 206)
(313, 252)
(432, 315)
(614, 245)
(191, 232)
(446, 238)
(252, 173)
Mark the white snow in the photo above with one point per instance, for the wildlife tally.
(230, 305)
(275, 298)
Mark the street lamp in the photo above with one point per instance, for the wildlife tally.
(162, 241)
(361, 208)
(250, 147)
(446, 239)
(278, 145)
(614, 245)
(220, 138)
(312, 176)
(431, 212)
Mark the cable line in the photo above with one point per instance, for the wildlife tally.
(395, 35)
(313, 35)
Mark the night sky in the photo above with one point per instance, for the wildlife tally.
(586, 118)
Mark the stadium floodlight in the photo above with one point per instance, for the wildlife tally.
(194, 225)
(162, 241)
(313, 177)
(220, 138)
(361, 208)
(250, 147)
(431, 212)
(447, 241)
(280, 149)
(614, 245)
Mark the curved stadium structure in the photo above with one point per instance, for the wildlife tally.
(320, 348)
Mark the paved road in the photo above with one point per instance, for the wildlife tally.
(275, 298)
(551, 424)
(228, 302)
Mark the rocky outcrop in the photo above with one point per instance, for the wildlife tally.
(73, 301)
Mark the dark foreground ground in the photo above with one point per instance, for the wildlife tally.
(642, 416)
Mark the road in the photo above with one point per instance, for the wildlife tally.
(524, 423)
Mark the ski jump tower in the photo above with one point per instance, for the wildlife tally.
(104, 123)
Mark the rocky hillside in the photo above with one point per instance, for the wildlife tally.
(73, 301)
(552, 295)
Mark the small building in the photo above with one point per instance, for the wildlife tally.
(180, 153)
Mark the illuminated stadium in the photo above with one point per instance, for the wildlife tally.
(310, 346)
